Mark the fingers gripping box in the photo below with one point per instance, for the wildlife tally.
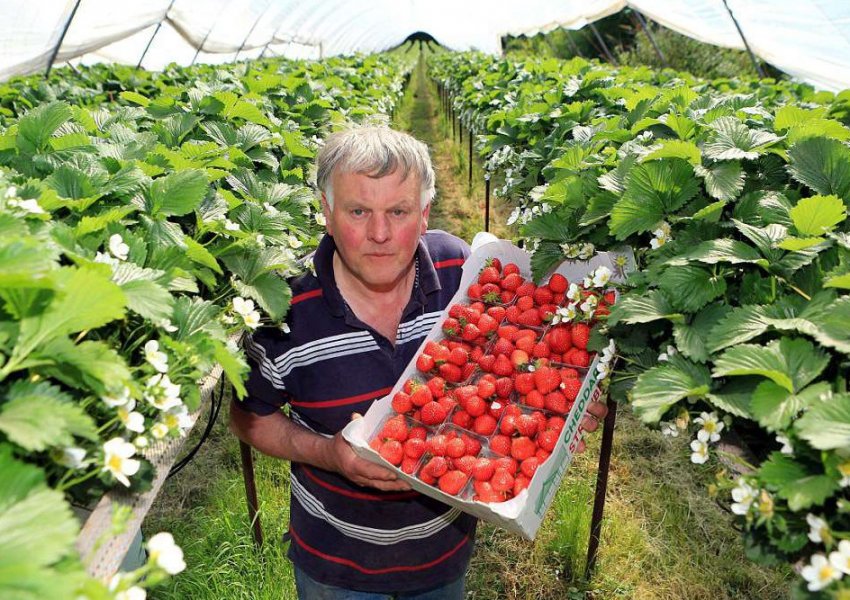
(522, 513)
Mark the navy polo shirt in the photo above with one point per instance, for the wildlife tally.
(328, 366)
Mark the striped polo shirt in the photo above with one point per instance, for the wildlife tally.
(328, 366)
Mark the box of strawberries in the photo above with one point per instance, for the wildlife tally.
(487, 416)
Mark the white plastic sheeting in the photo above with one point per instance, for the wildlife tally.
(810, 39)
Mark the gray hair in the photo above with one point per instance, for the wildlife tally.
(376, 151)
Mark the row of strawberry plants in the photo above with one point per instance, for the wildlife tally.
(738, 315)
(138, 238)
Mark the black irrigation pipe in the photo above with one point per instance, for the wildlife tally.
(155, 31)
(58, 45)
(216, 400)
(744, 39)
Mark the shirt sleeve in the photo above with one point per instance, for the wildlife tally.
(266, 387)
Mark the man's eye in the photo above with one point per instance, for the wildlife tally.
(399, 212)
(357, 212)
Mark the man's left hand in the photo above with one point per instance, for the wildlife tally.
(596, 413)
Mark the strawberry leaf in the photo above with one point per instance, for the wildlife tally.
(826, 425)
(659, 388)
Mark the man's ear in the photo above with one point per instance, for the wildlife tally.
(426, 212)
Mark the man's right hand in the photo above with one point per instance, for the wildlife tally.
(361, 471)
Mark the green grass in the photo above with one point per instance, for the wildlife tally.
(663, 538)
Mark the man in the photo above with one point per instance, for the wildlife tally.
(381, 280)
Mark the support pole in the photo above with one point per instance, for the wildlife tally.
(487, 202)
(744, 39)
(573, 45)
(250, 31)
(155, 31)
(605, 49)
(61, 38)
(601, 488)
(204, 41)
(643, 25)
(470, 157)
(251, 492)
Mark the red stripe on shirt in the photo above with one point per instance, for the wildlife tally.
(343, 401)
(357, 495)
(362, 569)
(306, 296)
(454, 262)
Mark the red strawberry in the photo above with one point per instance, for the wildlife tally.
(503, 347)
(401, 402)
(510, 268)
(524, 383)
(559, 339)
(450, 372)
(486, 362)
(547, 439)
(451, 327)
(394, 429)
(497, 312)
(529, 466)
(534, 399)
(541, 350)
(542, 455)
(476, 406)
(522, 447)
(610, 298)
(466, 464)
(459, 357)
(425, 362)
(484, 492)
(520, 483)
(436, 444)
(376, 444)
(447, 403)
(392, 452)
(525, 303)
(508, 424)
(486, 386)
(497, 408)
(472, 445)
(433, 414)
(558, 283)
(579, 358)
(504, 386)
(512, 313)
(455, 448)
(470, 332)
(511, 282)
(468, 370)
(580, 334)
(496, 263)
(459, 311)
(557, 403)
(526, 425)
(507, 296)
(546, 379)
(570, 388)
(491, 293)
(507, 463)
(526, 289)
(462, 418)
(542, 295)
(487, 324)
(436, 467)
(440, 354)
(507, 332)
(418, 432)
(472, 315)
(501, 444)
(414, 447)
(502, 481)
(489, 275)
(483, 469)
(484, 425)
(503, 366)
(421, 395)
(547, 312)
(519, 358)
(437, 385)
(408, 465)
(474, 291)
(529, 318)
(526, 344)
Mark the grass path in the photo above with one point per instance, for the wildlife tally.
(663, 538)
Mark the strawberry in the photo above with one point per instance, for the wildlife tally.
(465, 464)
(529, 466)
(491, 293)
(511, 282)
(437, 385)
(436, 444)
(540, 419)
(376, 444)
(558, 283)
(421, 395)
(507, 426)
(440, 354)
(512, 314)
(478, 306)
(472, 445)
(547, 312)
(502, 347)
(526, 425)
(486, 386)
(450, 372)
(447, 403)
(474, 291)
(524, 383)
(503, 366)
(462, 418)
(487, 324)
(522, 447)
(392, 452)
(433, 413)
(496, 263)
(476, 406)
(414, 447)
(451, 327)
(455, 448)
(525, 303)
(500, 444)
(483, 469)
(507, 332)
(510, 268)
(497, 312)
(541, 350)
(484, 425)
(472, 315)
(526, 344)
(520, 483)
(470, 332)
(546, 379)
(436, 467)
(394, 429)
(526, 289)
(557, 403)
(580, 334)
(486, 362)
(504, 387)
(534, 399)
(425, 362)
(489, 275)
(542, 455)
(401, 402)
(467, 370)
(529, 318)
(547, 439)
(580, 358)
(559, 339)
(418, 432)
(570, 388)
(519, 358)
(542, 295)
(408, 465)
(507, 463)
(459, 357)
(507, 296)
(502, 481)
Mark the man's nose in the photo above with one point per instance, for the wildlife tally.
(379, 228)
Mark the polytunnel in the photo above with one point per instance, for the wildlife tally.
(808, 39)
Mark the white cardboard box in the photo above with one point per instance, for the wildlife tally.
(524, 513)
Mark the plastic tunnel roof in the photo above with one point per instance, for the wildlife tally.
(809, 39)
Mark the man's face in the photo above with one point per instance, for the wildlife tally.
(376, 224)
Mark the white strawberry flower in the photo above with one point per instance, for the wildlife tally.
(602, 370)
(270, 208)
(320, 219)
(819, 573)
(284, 327)
(132, 420)
(294, 242)
(178, 419)
(840, 559)
(118, 459)
(565, 314)
(844, 469)
(241, 306)
(252, 319)
(819, 531)
(589, 306)
(121, 398)
(165, 553)
(700, 451)
(669, 429)
(573, 293)
(743, 495)
(665, 356)
(106, 259)
(117, 247)
(122, 580)
(71, 457)
(662, 235)
(141, 442)
(158, 360)
(586, 251)
(133, 593)
(787, 447)
(601, 276)
(166, 325)
(11, 191)
(159, 430)
(765, 504)
(161, 393)
(711, 427)
(609, 352)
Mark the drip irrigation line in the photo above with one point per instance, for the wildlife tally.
(216, 400)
